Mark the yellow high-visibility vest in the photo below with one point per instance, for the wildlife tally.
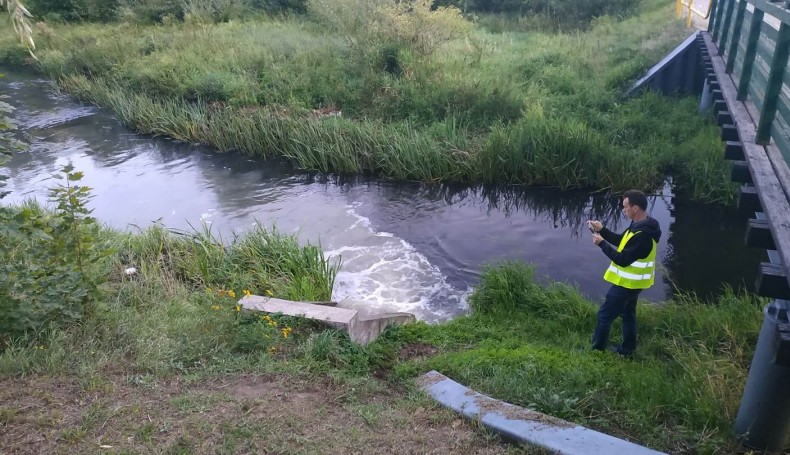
(639, 275)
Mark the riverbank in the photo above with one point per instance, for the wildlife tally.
(515, 105)
(133, 342)
(224, 379)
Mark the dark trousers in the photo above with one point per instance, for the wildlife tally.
(619, 302)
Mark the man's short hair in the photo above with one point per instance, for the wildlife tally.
(636, 197)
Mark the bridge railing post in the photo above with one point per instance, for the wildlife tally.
(751, 53)
(720, 7)
(774, 85)
(732, 52)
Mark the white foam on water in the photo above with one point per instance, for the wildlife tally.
(384, 273)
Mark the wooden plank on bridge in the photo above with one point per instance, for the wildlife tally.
(773, 198)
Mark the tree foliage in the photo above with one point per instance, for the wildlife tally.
(20, 18)
(46, 258)
(566, 12)
(415, 25)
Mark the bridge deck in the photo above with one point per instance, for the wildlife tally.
(747, 67)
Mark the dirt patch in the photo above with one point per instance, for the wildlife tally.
(413, 350)
(233, 414)
(430, 378)
(509, 411)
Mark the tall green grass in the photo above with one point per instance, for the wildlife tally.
(528, 344)
(536, 150)
(519, 106)
(178, 312)
(524, 342)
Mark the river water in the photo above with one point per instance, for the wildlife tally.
(404, 246)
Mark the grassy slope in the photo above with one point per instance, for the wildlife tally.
(528, 344)
(518, 106)
(524, 343)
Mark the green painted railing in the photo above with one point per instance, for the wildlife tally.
(753, 37)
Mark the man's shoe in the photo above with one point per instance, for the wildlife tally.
(617, 349)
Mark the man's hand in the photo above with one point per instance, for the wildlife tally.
(597, 238)
(597, 225)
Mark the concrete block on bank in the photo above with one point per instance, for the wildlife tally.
(362, 330)
(524, 425)
(369, 328)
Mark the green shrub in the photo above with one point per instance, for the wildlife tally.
(46, 261)
(8, 143)
(276, 6)
(574, 13)
(74, 10)
(414, 25)
(210, 11)
(152, 11)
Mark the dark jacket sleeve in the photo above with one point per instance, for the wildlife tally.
(638, 247)
(610, 236)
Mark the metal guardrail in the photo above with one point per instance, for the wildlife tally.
(688, 6)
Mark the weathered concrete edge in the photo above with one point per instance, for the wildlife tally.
(362, 330)
(539, 429)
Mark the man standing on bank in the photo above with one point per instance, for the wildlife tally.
(633, 255)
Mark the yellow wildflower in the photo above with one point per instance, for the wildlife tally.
(269, 292)
(266, 336)
(215, 307)
(247, 293)
(238, 308)
(232, 294)
(272, 350)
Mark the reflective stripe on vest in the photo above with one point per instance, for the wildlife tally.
(638, 275)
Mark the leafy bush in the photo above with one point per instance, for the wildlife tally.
(414, 25)
(208, 11)
(422, 28)
(274, 6)
(74, 10)
(564, 12)
(152, 10)
(46, 257)
(7, 140)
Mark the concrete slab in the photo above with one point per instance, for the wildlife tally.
(340, 316)
(524, 425)
(367, 329)
(360, 330)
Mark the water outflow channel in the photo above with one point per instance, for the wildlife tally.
(404, 246)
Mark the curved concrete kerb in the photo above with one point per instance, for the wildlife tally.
(362, 330)
(524, 425)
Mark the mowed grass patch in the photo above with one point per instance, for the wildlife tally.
(282, 413)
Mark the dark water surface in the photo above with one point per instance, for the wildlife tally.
(405, 246)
